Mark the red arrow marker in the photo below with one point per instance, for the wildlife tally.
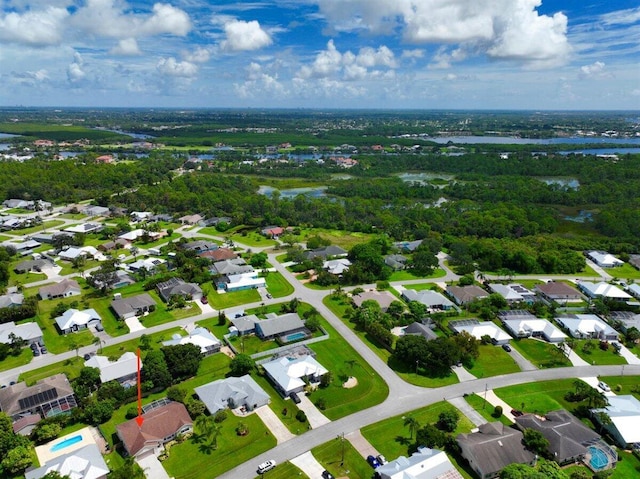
(139, 419)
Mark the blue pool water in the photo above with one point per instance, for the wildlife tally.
(294, 337)
(66, 443)
(599, 459)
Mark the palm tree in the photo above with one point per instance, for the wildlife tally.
(413, 425)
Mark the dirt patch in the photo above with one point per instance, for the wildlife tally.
(350, 383)
(227, 351)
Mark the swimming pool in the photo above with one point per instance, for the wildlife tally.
(294, 337)
(66, 443)
(599, 459)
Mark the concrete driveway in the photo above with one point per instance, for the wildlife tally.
(463, 374)
(593, 382)
(628, 355)
(134, 324)
(465, 408)
(152, 467)
(309, 465)
(274, 424)
(521, 361)
(314, 416)
(496, 401)
(361, 445)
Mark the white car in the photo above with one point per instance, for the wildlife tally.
(266, 466)
(604, 386)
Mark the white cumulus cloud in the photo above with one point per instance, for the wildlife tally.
(592, 69)
(75, 72)
(36, 28)
(244, 36)
(126, 47)
(174, 68)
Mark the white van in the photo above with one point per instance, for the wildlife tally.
(266, 466)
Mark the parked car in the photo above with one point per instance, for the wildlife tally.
(604, 386)
(506, 347)
(204, 300)
(381, 459)
(99, 327)
(36, 352)
(295, 398)
(327, 475)
(43, 350)
(41, 344)
(266, 466)
(373, 462)
(33, 346)
(269, 296)
(516, 413)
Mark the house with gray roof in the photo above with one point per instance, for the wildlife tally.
(84, 463)
(232, 393)
(558, 291)
(243, 325)
(625, 320)
(568, 437)
(133, 306)
(513, 293)
(466, 294)
(275, 326)
(64, 289)
(48, 397)
(420, 329)
(200, 246)
(29, 332)
(291, 375)
(383, 298)
(230, 267)
(11, 300)
(178, 287)
(408, 246)
(587, 326)
(32, 265)
(425, 463)
(93, 210)
(331, 251)
(492, 448)
(431, 299)
(396, 262)
(604, 259)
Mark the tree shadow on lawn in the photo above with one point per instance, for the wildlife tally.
(405, 441)
(400, 367)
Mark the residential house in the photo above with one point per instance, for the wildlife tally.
(243, 325)
(120, 278)
(603, 290)
(479, 329)
(84, 228)
(407, 246)
(383, 298)
(239, 282)
(124, 369)
(32, 265)
(425, 463)
(587, 326)
(24, 247)
(48, 397)
(119, 243)
(201, 337)
(26, 424)
(466, 294)
(11, 300)
(492, 448)
(625, 320)
(634, 290)
(18, 203)
(331, 251)
(84, 463)
(396, 262)
(133, 306)
(219, 254)
(200, 246)
(623, 423)
(568, 437)
(105, 159)
(150, 265)
(291, 375)
(159, 426)
(230, 267)
(178, 287)
(279, 326)
(336, 266)
(513, 293)
(558, 292)
(431, 299)
(190, 219)
(73, 253)
(523, 324)
(604, 259)
(214, 221)
(63, 289)
(93, 210)
(634, 260)
(29, 332)
(73, 320)
(137, 216)
(420, 329)
(273, 232)
(232, 393)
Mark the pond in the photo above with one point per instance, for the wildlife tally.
(312, 192)
(570, 183)
(583, 216)
(424, 178)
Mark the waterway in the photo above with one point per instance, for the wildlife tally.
(508, 140)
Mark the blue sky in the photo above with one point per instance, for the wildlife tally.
(462, 54)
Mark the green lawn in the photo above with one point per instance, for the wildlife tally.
(391, 437)
(278, 286)
(628, 384)
(221, 301)
(330, 455)
(132, 345)
(344, 239)
(10, 362)
(279, 405)
(493, 361)
(406, 372)
(39, 228)
(251, 344)
(16, 279)
(4, 238)
(422, 286)
(485, 409)
(597, 355)
(73, 216)
(190, 460)
(541, 353)
(406, 275)
(539, 397)
(628, 466)
(285, 471)
(161, 241)
(251, 239)
(70, 367)
(626, 271)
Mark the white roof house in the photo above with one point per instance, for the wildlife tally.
(124, 368)
(513, 293)
(84, 463)
(604, 259)
(73, 319)
(288, 374)
(232, 392)
(624, 412)
(237, 282)
(425, 463)
(431, 299)
(634, 289)
(534, 327)
(588, 326)
(200, 337)
(89, 251)
(479, 329)
(336, 266)
(602, 290)
(30, 332)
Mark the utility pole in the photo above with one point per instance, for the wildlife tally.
(341, 437)
(484, 406)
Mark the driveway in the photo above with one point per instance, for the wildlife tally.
(361, 445)
(576, 360)
(465, 408)
(315, 417)
(152, 468)
(463, 374)
(523, 363)
(309, 465)
(134, 324)
(593, 382)
(274, 424)
(496, 401)
(628, 355)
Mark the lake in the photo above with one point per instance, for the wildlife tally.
(315, 192)
(424, 178)
(507, 140)
(602, 151)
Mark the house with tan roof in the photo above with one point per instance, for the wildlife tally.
(558, 291)
(48, 397)
(159, 426)
(466, 294)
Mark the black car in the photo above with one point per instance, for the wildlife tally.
(295, 398)
(33, 346)
(506, 347)
(327, 475)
